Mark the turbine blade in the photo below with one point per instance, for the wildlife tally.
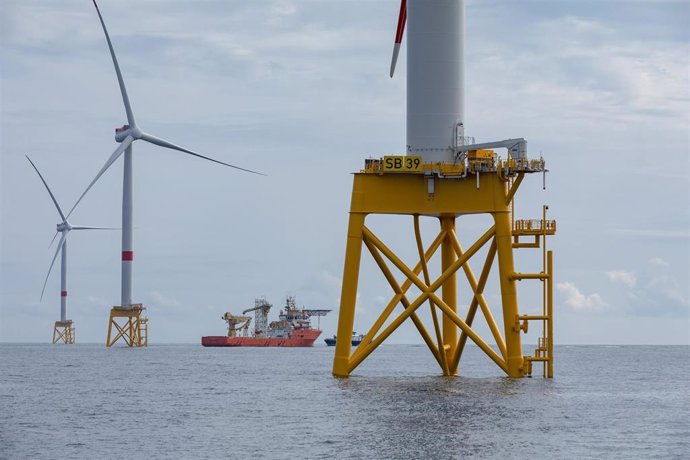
(394, 59)
(118, 151)
(123, 90)
(81, 227)
(57, 251)
(163, 143)
(47, 188)
(402, 19)
(53, 240)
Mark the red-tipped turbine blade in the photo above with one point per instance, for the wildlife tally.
(402, 19)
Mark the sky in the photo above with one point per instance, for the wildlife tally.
(300, 90)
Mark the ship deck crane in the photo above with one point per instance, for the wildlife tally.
(237, 324)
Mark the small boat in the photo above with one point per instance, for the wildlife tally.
(356, 339)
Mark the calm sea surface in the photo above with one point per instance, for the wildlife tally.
(185, 401)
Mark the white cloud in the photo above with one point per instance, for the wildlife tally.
(668, 290)
(658, 292)
(594, 74)
(621, 276)
(670, 294)
(579, 301)
(658, 261)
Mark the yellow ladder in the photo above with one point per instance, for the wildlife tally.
(144, 332)
(539, 229)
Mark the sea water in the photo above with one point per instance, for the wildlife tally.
(186, 401)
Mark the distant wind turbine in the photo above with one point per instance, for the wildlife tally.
(126, 136)
(64, 228)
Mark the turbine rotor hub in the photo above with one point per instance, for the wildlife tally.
(135, 132)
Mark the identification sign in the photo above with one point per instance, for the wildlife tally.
(402, 164)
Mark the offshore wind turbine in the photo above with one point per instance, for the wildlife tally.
(126, 136)
(64, 330)
(434, 179)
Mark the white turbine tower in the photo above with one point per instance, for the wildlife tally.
(63, 328)
(435, 76)
(126, 136)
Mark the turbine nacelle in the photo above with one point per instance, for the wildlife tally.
(122, 132)
(64, 226)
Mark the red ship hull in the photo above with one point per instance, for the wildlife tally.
(305, 338)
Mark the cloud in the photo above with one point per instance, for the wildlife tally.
(594, 73)
(658, 293)
(621, 276)
(579, 301)
(667, 293)
(658, 261)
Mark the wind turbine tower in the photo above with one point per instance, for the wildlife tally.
(443, 176)
(64, 328)
(126, 319)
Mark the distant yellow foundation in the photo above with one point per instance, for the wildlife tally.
(63, 332)
(128, 325)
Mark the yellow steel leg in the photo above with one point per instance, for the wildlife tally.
(449, 292)
(439, 334)
(137, 333)
(70, 334)
(348, 297)
(108, 343)
(506, 269)
(549, 306)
